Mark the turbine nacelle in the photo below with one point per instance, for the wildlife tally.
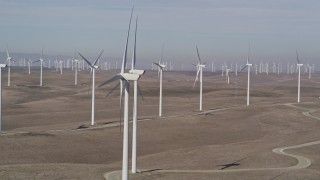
(201, 65)
(299, 64)
(129, 76)
(136, 71)
(248, 64)
(2, 65)
(162, 65)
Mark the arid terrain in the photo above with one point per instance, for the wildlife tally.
(47, 132)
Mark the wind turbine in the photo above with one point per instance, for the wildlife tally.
(310, 69)
(248, 87)
(199, 66)
(236, 71)
(161, 66)
(29, 63)
(125, 79)
(135, 104)
(227, 75)
(9, 59)
(1, 66)
(93, 72)
(298, 66)
(41, 64)
(75, 67)
(60, 66)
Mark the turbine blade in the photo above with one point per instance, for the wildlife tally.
(196, 77)
(114, 88)
(133, 64)
(98, 58)
(75, 54)
(124, 60)
(161, 54)
(42, 53)
(249, 53)
(243, 68)
(117, 77)
(8, 55)
(297, 57)
(198, 55)
(35, 61)
(121, 94)
(157, 64)
(88, 62)
(140, 92)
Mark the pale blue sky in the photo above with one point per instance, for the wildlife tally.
(221, 28)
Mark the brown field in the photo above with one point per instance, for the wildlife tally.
(41, 137)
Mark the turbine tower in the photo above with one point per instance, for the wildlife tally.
(29, 63)
(298, 66)
(1, 66)
(75, 67)
(199, 66)
(41, 65)
(227, 75)
(135, 104)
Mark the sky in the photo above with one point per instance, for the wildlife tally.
(222, 29)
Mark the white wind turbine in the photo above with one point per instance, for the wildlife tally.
(236, 71)
(310, 69)
(93, 72)
(1, 66)
(29, 64)
(298, 66)
(135, 104)
(61, 66)
(227, 75)
(41, 65)
(248, 84)
(199, 66)
(9, 59)
(161, 65)
(125, 79)
(75, 67)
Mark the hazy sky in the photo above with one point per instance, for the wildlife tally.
(222, 29)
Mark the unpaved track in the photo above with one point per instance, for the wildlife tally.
(302, 162)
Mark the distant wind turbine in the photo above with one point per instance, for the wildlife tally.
(248, 84)
(41, 65)
(298, 66)
(161, 66)
(93, 72)
(29, 63)
(199, 66)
